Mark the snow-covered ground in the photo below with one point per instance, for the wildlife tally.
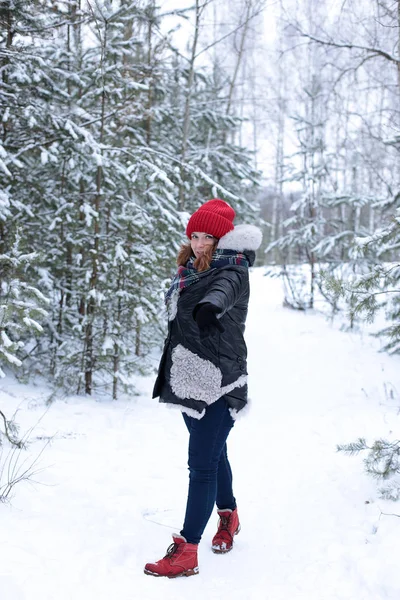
(113, 482)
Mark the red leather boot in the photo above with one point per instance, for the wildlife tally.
(180, 560)
(228, 526)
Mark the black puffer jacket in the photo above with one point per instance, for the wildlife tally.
(195, 373)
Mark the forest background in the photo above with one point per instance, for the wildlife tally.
(120, 117)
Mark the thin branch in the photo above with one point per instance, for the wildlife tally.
(22, 31)
(375, 51)
(18, 444)
(244, 24)
(388, 514)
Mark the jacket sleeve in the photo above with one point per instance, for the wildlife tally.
(225, 290)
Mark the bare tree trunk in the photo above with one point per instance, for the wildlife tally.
(138, 339)
(255, 121)
(311, 143)
(91, 303)
(186, 118)
(116, 360)
(128, 32)
(81, 251)
(116, 354)
(241, 112)
(276, 220)
(398, 47)
(149, 66)
(244, 31)
(4, 78)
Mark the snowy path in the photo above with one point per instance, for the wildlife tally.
(116, 480)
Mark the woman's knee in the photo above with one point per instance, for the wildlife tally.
(203, 473)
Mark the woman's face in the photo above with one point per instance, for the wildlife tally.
(200, 242)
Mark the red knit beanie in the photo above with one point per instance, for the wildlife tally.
(215, 217)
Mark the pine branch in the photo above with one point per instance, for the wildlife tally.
(353, 448)
(13, 442)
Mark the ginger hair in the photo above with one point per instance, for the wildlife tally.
(200, 264)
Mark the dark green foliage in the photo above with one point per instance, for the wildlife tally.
(382, 461)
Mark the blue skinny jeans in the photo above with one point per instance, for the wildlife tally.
(210, 474)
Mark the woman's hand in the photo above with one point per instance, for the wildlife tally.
(207, 321)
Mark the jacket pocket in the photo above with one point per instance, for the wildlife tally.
(211, 346)
(192, 376)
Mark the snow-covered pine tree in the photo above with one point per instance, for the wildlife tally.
(382, 461)
(91, 152)
(213, 166)
(303, 231)
(27, 126)
(111, 214)
(378, 288)
(21, 307)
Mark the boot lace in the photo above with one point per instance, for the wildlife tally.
(171, 550)
(224, 527)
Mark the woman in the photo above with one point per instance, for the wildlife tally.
(203, 371)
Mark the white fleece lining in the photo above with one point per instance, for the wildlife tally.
(194, 377)
(172, 306)
(239, 414)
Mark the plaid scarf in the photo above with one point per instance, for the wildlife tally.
(188, 275)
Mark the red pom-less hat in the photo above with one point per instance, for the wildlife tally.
(214, 217)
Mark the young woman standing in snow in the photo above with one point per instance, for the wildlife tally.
(203, 371)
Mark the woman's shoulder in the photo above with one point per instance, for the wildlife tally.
(232, 273)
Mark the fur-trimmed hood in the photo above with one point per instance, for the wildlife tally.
(241, 238)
